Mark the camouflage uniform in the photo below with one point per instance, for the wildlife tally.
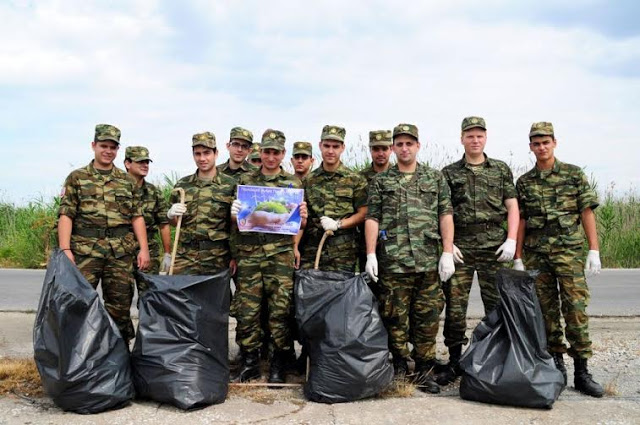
(551, 202)
(204, 235)
(407, 208)
(265, 269)
(478, 193)
(102, 205)
(337, 195)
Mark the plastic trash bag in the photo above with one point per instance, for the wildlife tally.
(82, 359)
(507, 361)
(338, 319)
(180, 355)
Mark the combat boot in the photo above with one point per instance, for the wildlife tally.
(558, 359)
(277, 369)
(249, 367)
(423, 377)
(400, 366)
(452, 370)
(583, 381)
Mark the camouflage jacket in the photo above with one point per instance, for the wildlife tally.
(271, 243)
(368, 173)
(478, 194)
(337, 195)
(407, 209)
(208, 216)
(551, 202)
(98, 203)
(244, 168)
(154, 211)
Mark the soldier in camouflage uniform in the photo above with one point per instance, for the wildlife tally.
(410, 213)
(484, 198)
(254, 156)
(100, 207)
(239, 147)
(554, 199)
(265, 270)
(154, 209)
(206, 214)
(302, 159)
(337, 200)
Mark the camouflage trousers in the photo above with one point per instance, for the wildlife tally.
(339, 254)
(201, 262)
(264, 277)
(116, 275)
(562, 290)
(456, 292)
(411, 309)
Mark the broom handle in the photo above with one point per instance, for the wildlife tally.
(320, 245)
(175, 240)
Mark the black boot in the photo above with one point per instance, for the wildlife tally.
(583, 381)
(423, 377)
(558, 359)
(452, 370)
(277, 369)
(400, 366)
(249, 367)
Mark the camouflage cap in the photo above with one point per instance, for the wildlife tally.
(255, 152)
(473, 122)
(302, 148)
(137, 153)
(273, 139)
(409, 129)
(242, 134)
(206, 139)
(541, 129)
(107, 132)
(333, 132)
(380, 138)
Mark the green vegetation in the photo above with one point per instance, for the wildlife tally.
(618, 230)
(272, 207)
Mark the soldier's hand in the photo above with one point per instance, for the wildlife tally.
(518, 264)
(593, 265)
(304, 213)
(233, 266)
(446, 268)
(328, 223)
(507, 250)
(236, 206)
(143, 260)
(166, 262)
(176, 210)
(372, 266)
(296, 256)
(457, 255)
(70, 255)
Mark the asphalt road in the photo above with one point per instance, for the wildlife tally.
(614, 292)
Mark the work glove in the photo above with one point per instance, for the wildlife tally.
(518, 264)
(446, 268)
(236, 206)
(457, 255)
(507, 250)
(592, 266)
(372, 266)
(166, 262)
(176, 210)
(329, 223)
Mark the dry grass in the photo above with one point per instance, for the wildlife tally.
(401, 387)
(20, 376)
(611, 387)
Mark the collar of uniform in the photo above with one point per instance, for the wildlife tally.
(115, 171)
(246, 166)
(195, 180)
(554, 170)
(270, 177)
(487, 161)
(395, 171)
(341, 170)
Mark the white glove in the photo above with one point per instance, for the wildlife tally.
(507, 250)
(372, 267)
(457, 255)
(328, 223)
(592, 266)
(236, 206)
(166, 262)
(446, 268)
(176, 210)
(518, 264)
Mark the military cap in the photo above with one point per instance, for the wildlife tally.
(107, 132)
(409, 129)
(273, 139)
(137, 153)
(473, 122)
(333, 132)
(541, 129)
(206, 139)
(255, 151)
(242, 134)
(302, 148)
(380, 138)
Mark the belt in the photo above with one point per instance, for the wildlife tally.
(109, 232)
(206, 244)
(260, 238)
(476, 227)
(553, 227)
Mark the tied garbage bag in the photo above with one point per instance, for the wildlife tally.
(340, 325)
(180, 355)
(507, 361)
(82, 359)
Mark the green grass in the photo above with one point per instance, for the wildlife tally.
(618, 230)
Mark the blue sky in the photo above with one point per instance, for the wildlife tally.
(163, 70)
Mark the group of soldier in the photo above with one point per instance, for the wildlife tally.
(418, 233)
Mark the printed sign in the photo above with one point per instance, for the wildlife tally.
(269, 209)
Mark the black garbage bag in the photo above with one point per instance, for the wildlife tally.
(339, 323)
(82, 359)
(180, 355)
(507, 361)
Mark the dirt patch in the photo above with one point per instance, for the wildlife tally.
(20, 377)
